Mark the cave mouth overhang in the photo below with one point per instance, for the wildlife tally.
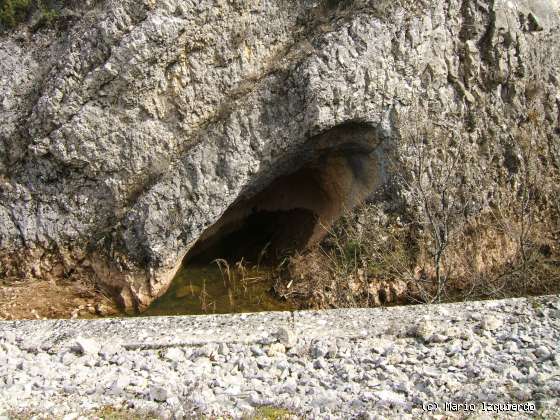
(292, 208)
(286, 206)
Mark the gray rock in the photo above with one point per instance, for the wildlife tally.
(289, 387)
(320, 363)
(263, 361)
(319, 349)
(123, 139)
(356, 380)
(542, 352)
(257, 350)
(158, 393)
(287, 337)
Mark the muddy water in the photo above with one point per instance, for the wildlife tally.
(208, 290)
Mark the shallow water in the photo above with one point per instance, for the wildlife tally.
(197, 290)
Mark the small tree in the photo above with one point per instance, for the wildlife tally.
(433, 177)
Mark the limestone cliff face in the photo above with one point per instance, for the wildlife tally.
(129, 133)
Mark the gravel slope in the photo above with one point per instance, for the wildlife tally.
(365, 363)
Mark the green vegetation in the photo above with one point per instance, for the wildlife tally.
(112, 413)
(14, 12)
(271, 413)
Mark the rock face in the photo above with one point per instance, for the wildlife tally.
(128, 134)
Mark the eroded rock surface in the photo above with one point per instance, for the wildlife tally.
(127, 135)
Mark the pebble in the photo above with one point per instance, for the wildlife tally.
(276, 349)
(158, 393)
(223, 349)
(86, 346)
(109, 350)
(320, 363)
(324, 377)
(424, 330)
(287, 337)
(174, 354)
(542, 352)
(490, 323)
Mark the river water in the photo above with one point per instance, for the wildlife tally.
(214, 289)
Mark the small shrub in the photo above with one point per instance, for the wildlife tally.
(12, 12)
(47, 18)
(271, 413)
(360, 263)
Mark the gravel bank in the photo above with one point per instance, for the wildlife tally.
(394, 362)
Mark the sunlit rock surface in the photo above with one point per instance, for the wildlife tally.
(126, 135)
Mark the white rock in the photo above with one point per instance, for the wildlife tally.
(118, 386)
(208, 350)
(263, 361)
(511, 347)
(174, 354)
(432, 372)
(490, 323)
(325, 399)
(276, 349)
(8, 336)
(257, 350)
(86, 346)
(223, 349)
(319, 349)
(388, 398)
(424, 330)
(438, 338)
(320, 363)
(109, 350)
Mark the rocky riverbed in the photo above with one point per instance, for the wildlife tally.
(493, 358)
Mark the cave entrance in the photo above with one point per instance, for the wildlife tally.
(279, 220)
(263, 237)
(294, 210)
(281, 213)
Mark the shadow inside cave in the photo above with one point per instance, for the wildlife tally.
(280, 214)
(337, 170)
